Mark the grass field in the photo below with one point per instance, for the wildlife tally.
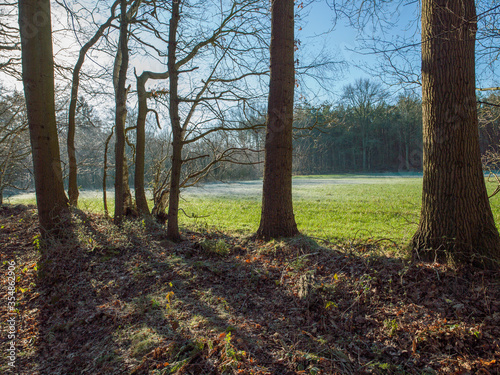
(123, 299)
(333, 207)
(369, 207)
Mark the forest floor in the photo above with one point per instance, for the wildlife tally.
(124, 300)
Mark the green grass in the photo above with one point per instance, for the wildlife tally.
(345, 212)
(368, 207)
(373, 208)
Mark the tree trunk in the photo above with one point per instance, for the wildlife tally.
(73, 169)
(407, 155)
(161, 204)
(456, 223)
(38, 79)
(277, 218)
(122, 192)
(363, 146)
(140, 147)
(105, 174)
(173, 233)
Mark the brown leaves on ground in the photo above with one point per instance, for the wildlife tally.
(111, 300)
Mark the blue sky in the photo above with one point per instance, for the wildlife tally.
(344, 41)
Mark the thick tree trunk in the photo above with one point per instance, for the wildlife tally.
(277, 218)
(456, 223)
(128, 204)
(38, 79)
(173, 233)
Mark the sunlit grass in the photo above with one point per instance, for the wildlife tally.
(374, 208)
(369, 207)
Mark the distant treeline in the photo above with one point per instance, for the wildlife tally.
(373, 137)
(366, 131)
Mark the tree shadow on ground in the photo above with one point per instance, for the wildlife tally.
(124, 300)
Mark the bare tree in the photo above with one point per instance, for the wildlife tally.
(15, 153)
(72, 179)
(175, 122)
(140, 150)
(10, 44)
(201, 110)
(364, 99)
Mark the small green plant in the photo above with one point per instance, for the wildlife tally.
(365, 282)
(299, 263)
(170, 296)
(220, 247)
(37, 242)
(384, 368)
(330, 305)
(155, 304)
(230, 352)
(475, 332)
(228, 347)
(391, 325)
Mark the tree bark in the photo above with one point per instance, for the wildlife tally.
(277, 218)
(123, 198)
(173, 233)
(105, 174)
(73, 168)
(456, 223)
(140, 148)
(38, 79)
